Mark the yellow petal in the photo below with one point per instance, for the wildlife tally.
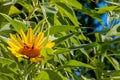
(15, 41)
(50, 44)
(20, 40)
(15, 53)
(41, 45)
(12, 45)
(38, 39)
(30, 36)
(23, 36)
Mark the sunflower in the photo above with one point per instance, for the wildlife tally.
(28, 46)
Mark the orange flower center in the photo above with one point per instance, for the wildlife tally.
(30, 51)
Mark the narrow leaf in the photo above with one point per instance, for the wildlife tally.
(61, 39)
(63, 8)
(75, 4)
(115, 31)
(74, 63)
(106, 9)
(94, 44)
(58, 29)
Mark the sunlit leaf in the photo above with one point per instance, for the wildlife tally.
(61, 50)
(48, 75)
(49, 13)
(13, 10)
(85, 45)
(115, 31)
(106, 9)
(114, 62)
(18, 25)
(75, 4)
(58, 29)
(74, 63)
(43, 76)
(63, 8)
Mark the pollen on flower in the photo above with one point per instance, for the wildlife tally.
(28, 46)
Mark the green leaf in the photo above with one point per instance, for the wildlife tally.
(30, 68)
(4, 9)
(57, 21)
(94, 44)
(61, 39)
(43, 53)
(116, 73)
(5, 30)
(2, 77)
(106, 9)
(43, 76)
(9, 68)
(48, 75)
(47, 54)
(99, 67)
(49, 13)
(86, 78)
(26, 5)
(37, 28)
(61, 50)
(13, 10)
(18, 25)
(63, 77)
(58, 29)
(49, 9)
(114, 62)
(74, 63)
(115, 31)
(74, 3)
(63, 8)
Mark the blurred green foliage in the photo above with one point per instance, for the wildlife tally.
(75, 51)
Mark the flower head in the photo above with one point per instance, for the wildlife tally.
(28, 46)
